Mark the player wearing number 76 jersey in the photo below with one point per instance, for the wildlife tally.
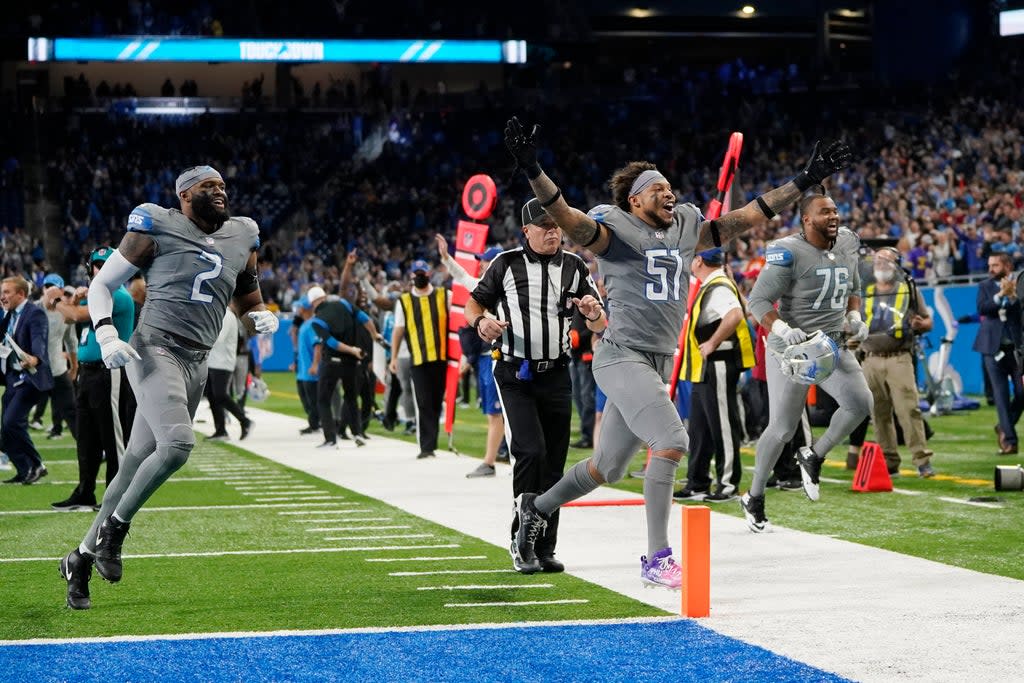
(196, 260)
(813, 276)
(644, 244)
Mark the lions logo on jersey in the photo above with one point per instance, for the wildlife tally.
(778, 256)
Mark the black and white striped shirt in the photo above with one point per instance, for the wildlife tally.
(533, 293)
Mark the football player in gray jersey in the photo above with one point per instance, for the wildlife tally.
(814, 277)
(195, 260)
(644, 244)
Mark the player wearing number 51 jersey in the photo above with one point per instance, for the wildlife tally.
(814, 278)
(196, 260)
(644, 244)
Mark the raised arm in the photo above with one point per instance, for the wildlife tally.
(580, 227)
(825, 160)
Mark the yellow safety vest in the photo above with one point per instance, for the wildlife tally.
(900, 305)
(743, 344)
(426, 325)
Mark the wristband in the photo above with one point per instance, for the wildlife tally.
(594, 320)
(103, 321)
(476, 324)
(803, 181)
(558, 193)
(532, 172)
(765, 209)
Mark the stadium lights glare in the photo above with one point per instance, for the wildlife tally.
(1011, 22)
(640, 12)
(748, 10)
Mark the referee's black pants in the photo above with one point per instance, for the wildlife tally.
(103, 401)
(716, 428)
(428, 387)
(538, 419)
(221, 401)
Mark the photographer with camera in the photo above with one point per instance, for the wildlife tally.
(533, 292)
(895, 314)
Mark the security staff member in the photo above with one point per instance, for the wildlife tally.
(719, 348)
(421, 317)
(103, 413)
(894, 312)
(532, 292)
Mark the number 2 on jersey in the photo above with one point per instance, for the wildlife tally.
(213, 272)
(840, 285)
(666, 266)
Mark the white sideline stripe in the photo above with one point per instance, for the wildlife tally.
(481, 587)
(274, 492)
(200, 508)
(273, 487)
(231, 481)
(277, 500)
(325, 512)
(513, 603)
(376, 538)
(426, 559)
(830, 480)
(348, 519)
(360, 528)
(907, 492)
(453, 571)
(991, 506)
(339, 631)
(222, 553)
(172, 479)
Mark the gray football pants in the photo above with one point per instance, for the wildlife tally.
(638, 412)
(786, 401)
(168, 383)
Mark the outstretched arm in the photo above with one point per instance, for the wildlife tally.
(580, 227)
(825, 160)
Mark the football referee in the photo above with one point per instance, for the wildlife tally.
(532, 291)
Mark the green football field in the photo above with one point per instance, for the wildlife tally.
(217, 550)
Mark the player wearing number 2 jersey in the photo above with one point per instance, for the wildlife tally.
(814, 277)
(195, 260)
(644, 244)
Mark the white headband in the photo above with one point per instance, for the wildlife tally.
(645, 179)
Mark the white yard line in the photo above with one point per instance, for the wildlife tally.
(499, 586)
(426, 559)
(510, 603)
(376, 538)
(454, 572)
(204, 508)
(360, 528)
(224, 553)
(973, 503)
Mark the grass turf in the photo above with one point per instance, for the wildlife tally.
(917, 522)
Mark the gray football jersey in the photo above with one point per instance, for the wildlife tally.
(812, 286)
(647, 274)
(192, 277)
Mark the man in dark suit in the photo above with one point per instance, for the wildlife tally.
(26, 374)
(998, 342)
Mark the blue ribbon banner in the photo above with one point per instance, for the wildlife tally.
(183, 49)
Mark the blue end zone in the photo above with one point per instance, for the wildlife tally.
(681, 650)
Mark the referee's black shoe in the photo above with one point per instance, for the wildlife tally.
(109, 539)
(531, 526)
(550, 565)
(76, 569)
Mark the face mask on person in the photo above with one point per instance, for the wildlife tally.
(420, 280)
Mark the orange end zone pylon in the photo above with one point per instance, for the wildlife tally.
(696, 557)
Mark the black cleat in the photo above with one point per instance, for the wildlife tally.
(109, 539)
(531, 526)
(76, 569)
(753, 510)
(810, 471)
(246, 429)
(549, 565)
(75, 501)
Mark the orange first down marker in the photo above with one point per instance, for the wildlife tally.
(696, 589)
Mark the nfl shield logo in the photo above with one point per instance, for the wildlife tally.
(660, 235)
(209, 240)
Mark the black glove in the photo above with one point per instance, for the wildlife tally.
(522, 147)
(825, 160)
